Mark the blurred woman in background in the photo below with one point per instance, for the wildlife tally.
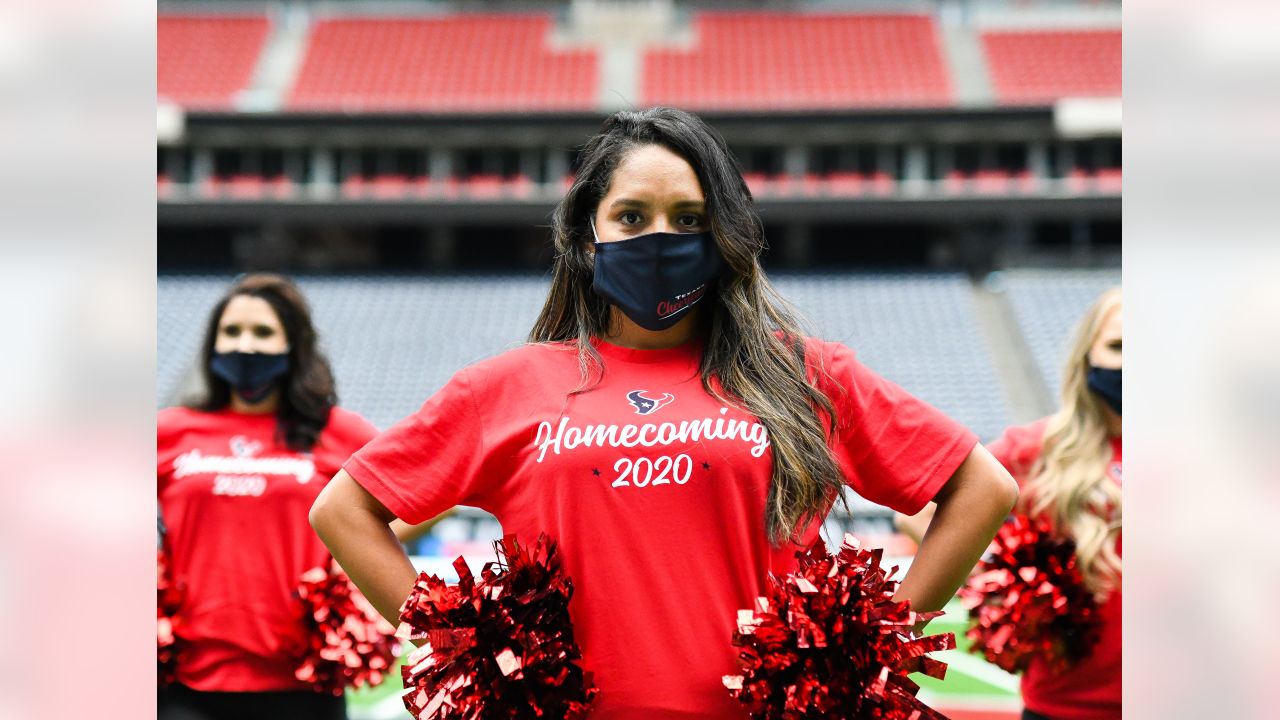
(1069, 468)
(236, 473)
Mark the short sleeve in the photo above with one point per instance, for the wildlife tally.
(895, 449)
(168, 434)
(430, 461)
(1019, 448)
(351, 431)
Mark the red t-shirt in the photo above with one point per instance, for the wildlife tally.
(234, 504)
(654, 490)
(1090, 690)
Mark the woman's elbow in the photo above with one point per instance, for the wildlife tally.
(1004, 490)
(315, 515)
(322, 510)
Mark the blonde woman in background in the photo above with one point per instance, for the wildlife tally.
(1068, 466)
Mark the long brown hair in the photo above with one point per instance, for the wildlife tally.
(1070, 485)
(753, 349)
(307, 391)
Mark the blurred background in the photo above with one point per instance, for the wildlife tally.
(940, 183)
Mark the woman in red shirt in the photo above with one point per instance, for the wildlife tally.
(670, 426)
(1068, 466)
(236, 475)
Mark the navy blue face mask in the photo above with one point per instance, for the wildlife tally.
(654, 279)
(1105, 383)
(251, 375)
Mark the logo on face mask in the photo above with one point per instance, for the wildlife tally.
(667, 308)
(646, 406)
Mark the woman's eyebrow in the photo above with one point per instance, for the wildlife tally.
(632, 202)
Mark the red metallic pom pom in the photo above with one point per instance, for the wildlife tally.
(349, 643)
(828, 641)
(1027, 599)
(499, 647)
(168, 599)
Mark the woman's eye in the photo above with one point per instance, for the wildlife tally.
(1115, 345)
(690, 221)
(231, 331)
(629, 218)
(262, 331)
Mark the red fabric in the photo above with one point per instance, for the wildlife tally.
(235, 503)
(662, 564)
(1091, 690)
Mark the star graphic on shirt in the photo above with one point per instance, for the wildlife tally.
(595, 471)
(706, 466)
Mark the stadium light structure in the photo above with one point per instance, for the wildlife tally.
(171, 123)
(1087, 117)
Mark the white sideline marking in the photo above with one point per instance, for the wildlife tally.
(391, 708)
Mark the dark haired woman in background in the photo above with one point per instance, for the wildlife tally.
(236, 475)
(670, 426)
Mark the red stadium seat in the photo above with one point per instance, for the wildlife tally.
(813, 185)
(773, 61)
(1108, 180)
(1026, 183)
(1039, 67)
(483, 187)
(756, 183)
(248, 187)
(991, 182)
(882, 183)
(846, 183)
(388, 187)
(464, 63)
(1079, 180)
(783, 185)
(202, 62)
(520, 186)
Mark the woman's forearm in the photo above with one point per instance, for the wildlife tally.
(970, 508)
(363, 545)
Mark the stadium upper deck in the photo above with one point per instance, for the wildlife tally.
(705, 60)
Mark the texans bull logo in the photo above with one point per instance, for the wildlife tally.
(242, 446)
(646, 405)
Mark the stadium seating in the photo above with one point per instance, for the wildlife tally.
(389, 339)
(247, 187)
(391, 345)
(1047, 304)
(835, 184)
(457, 63)
(1035, 67)
(785, 61)
(401, 187)
(918, 329)
(204, 61)
(993, 181)
(385, 335)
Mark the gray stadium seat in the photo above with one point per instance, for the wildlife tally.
(1048, 304)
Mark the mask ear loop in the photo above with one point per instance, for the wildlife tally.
(592, 223)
